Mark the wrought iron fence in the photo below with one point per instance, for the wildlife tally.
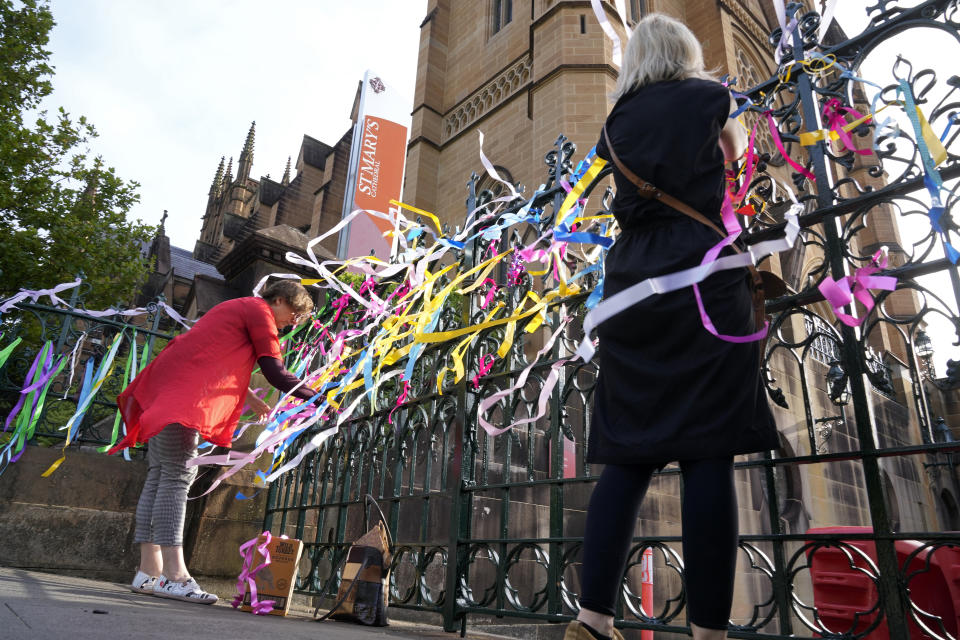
(492, 525)
(80, 338)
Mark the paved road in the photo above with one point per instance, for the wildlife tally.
(40, 606)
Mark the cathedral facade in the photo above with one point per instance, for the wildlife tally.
(525, 71)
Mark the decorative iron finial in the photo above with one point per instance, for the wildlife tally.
(558, 159)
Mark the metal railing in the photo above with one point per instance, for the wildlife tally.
(493, 525)
(80, 338)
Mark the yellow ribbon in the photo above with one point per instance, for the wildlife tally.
(539, 305)
(457, 353)
(436, 221)
(578, 189)
(937, 151)
(812, 137)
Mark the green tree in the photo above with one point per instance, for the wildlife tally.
(61, 212)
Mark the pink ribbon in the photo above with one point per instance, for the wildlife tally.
(833, 111)
(366, 286)
(400, 400)
(339, 304)
(751, 165)
(546, 389)
(733, 231)
(486, 364)
(491, 292)
(775, 134)
(840, 293)
(248, 574)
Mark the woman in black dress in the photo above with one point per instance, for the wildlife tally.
(667, 389)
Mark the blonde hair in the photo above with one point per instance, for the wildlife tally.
(291, 291)
(660, 48)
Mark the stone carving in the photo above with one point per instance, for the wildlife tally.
(487, 97)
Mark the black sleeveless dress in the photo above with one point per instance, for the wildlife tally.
(667, 389)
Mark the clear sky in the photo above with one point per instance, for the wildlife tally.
(172, 86)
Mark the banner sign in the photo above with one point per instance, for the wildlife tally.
(375, 175)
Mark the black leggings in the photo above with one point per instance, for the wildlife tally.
(710, 532)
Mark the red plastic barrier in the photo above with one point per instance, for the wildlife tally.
(840, 591)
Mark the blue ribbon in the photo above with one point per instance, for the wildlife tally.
(931, 177)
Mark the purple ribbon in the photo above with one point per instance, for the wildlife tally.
(28, 388)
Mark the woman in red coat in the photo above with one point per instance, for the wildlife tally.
(196, 388)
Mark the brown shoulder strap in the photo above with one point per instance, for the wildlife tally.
(648, 190)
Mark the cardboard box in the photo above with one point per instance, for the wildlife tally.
(276, 580)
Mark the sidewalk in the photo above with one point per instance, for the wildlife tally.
(42, 606)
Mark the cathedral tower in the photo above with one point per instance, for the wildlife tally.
(525, 71)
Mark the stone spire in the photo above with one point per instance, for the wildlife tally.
(228, 176)
(286, 174)
(217, 179)
(246, 156)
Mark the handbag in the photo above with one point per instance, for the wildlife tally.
(764, 285)
(365, 582)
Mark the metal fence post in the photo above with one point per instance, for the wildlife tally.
(892, 605)
(462, 479)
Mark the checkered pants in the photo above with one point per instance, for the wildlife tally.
(163, 501)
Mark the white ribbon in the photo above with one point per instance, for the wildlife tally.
(608, 29)
(680, 279)
(827, 18)
(12, 301)
(491, 171)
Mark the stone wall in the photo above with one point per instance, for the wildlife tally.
(79, 521)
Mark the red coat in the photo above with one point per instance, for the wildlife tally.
(200, 379)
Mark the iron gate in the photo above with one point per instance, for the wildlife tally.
(492, 525)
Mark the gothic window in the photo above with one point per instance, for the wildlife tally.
(637, 10)
(825, 347)
(488, 188)
(750, 75)
(747, 75)
(502, 14)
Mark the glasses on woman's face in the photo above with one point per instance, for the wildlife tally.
(294, 318)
